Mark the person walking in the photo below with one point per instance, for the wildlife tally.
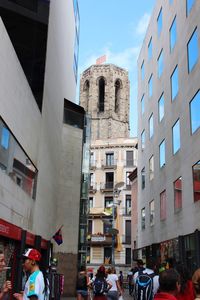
(82, 284)
(130, 281)
(196, 283)
(36, 287)
(186, 289)
(7, 286)
(115, 290)
(121, 280)
(169, 285)
(99, 284)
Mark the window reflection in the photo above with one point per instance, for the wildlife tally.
(189, 5)
(192, 51)
(174, 83)
(178, 194)
(162, 154)
(160, 64)
(159, 22)
(16, 163)
(173, 34)
(194, 112)
(176, 137)
(151, 86)
(196, 181)
(161, 107)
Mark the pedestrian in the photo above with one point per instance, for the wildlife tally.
(115, 290)
(121, 280)
(36, 287)
(82, 284)
(196, 283)
(130, 281)
(99, 284)
(169, 285)
(186, 289)
(7, 286)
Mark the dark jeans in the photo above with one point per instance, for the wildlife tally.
(112, 295)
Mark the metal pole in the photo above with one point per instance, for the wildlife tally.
(113, 236)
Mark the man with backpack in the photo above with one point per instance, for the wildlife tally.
(145, 282)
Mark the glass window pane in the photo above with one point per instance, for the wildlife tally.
(152, 212)
(178, 194)
(174, 83)
(142, 70)
(159, 22)
(143, 218)
(194, 112)
(143, 139)
(163, 210)
(5, 138)
(151, 86)
(142, 105)
(176, 136)
(151, 126)
(161, 108)
(160, 64)
(162, 153)
(196, 181)
(189, 5)
(192, 49)
(143, 178)
(151, 168)
(173, 34)
(150, 49)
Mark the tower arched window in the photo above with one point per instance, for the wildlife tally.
(86, 92)
(117, 94)
(101, 94)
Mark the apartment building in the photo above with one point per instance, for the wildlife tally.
(169, 135)
(104, 94)
(41, 132)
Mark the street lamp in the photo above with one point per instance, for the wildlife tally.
(116, 191)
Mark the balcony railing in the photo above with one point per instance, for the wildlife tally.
(107, 186)
(126, 239)
(109, 164)
(100, 239)
(92, 188)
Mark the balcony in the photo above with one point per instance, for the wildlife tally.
(107, 187)
(108, 164)
(92, 188)
(100, 239)
(126, 239)
(100, 212)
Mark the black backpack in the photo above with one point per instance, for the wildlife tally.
(81, 282)
(99, 286)
(144, 286)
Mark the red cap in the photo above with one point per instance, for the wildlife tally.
(32, 254)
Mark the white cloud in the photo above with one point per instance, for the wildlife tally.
(141, 26)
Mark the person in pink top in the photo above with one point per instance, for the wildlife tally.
(169, 285)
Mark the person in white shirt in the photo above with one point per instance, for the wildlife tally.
(115, 290)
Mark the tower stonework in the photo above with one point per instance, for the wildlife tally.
(104, 94)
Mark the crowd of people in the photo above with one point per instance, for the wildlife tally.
(166, 282)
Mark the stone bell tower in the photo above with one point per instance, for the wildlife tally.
(104, 94)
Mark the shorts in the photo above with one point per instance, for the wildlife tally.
(83, 293)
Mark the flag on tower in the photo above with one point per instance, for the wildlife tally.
(101, 60)
(58, 236)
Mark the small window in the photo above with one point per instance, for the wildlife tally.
(142, 70)
(151, 168)
(5, 138)
(89, 226)
(143, 178)
(162, 154)
(161, 107)
(174, 83)
(160, 64)
(129, 158)
(109, 180)
(143, 140)
(163, 210)
(150, 84)
(101, 94)
(128, 205)
(91, 202)
(152, 213)
(189, 5)
(128, 256)
(194, 112)
(109, 159)
(159, 22)
(142, 105)
(143, 218)
(178, 194)
(176, 136)
(151, 130)
(196, 181)
(108, 202)
(172, 33)
(150, 49)
(192, 51)
(128, 182)
(117, 95)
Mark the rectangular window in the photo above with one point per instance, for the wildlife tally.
(150, 49)
(108, 201)
(109, 159)
(172, 33)
(151, 126)
(163, 210)
(162, 154)
(192, 51)
(128, 256)
(176, 136)
(178, 194)
(159, 22)
(174, 83)
(109, 180)
(143, 178)
(161, 107)
(128, 205)
(107, 255)
(150, 84)
(128, 182)
(5, 138)
(91, 181)
(189, 5)
(152, 213)
(129, 158)
(142, 105)
(196, 181)
(90, 202)
(143, 218)
(107, 226)
(142, 70)
(143, 139)
(128, 231)
(160, 64)
(194, 112)
(151, 168)
(89, 226)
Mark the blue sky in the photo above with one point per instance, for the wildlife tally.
(115, 28)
